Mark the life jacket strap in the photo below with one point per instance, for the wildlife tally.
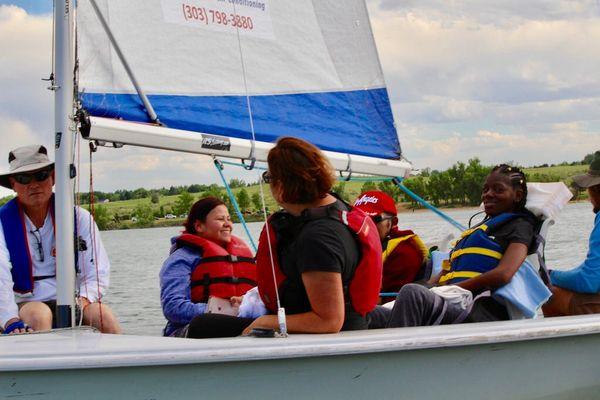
(475, 250)
(207, 281)
(42, 277)
(228, 258)
(459, 274)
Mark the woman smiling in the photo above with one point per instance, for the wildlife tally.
(486, 257)
(206, 261)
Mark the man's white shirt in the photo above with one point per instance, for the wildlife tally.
(44, 261)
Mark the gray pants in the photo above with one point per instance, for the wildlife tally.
(415, 305)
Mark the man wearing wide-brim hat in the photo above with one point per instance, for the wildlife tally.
(577, 291)
(27, 251)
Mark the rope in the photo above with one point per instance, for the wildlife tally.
(81, 266)
(219, 166)
(398, 182)
(93, 236)
(281, 318)
(365, 179)
(248, 105)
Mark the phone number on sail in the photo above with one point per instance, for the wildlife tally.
(208, 16)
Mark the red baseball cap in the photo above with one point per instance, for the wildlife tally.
(376, 202)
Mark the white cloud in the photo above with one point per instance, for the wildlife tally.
(466, 78)
(559, 143)
(463, 84)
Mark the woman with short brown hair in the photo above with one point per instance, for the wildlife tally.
(316, 252)
(307, 174)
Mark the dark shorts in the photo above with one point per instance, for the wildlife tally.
(52, 305)
(584, 303)
(206, 326)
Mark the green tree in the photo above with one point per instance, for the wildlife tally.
(256, 201)
(368, 186)
(140, 193)
(436, 187)
(418, 186)
(475, 174)
(587, 160)
(455, 187)
(103, 219)
(183, 203)
(243, 199)
(154, 197)
(236, 183)
(340, 190)
(391, 189)
(144, 215)
(213, 191)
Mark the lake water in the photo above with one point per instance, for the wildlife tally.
(136, 257)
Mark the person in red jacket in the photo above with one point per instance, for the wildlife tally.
(404, 253)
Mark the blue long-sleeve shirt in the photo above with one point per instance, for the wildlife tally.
(175, 289)
(586, 277)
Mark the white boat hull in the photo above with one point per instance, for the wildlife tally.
(546, 359)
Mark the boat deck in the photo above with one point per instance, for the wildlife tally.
(84, 348)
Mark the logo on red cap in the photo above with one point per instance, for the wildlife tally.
(376, 202)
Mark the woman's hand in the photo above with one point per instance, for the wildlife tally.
(236, 301)
(266, 321)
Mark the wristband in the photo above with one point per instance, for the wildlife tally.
(15, 325)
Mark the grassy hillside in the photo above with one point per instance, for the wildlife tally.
(561, 173)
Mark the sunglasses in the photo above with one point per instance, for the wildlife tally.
(39, 176)
(378, 218)
(266, 177)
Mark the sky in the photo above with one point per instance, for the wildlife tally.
(505, 81)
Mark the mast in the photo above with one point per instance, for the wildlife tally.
(63, 111)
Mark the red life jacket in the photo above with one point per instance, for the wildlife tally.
(220, 272)
(363, 289)
(404, 258)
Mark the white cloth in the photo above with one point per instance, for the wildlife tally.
(252, 305)
(455, 295)
(45, 289)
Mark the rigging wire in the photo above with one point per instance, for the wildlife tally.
(280, 310)
(93, 236)
(234, 202)
(248, 103)
(80, 265)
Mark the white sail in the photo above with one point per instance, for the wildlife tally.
(252, 70)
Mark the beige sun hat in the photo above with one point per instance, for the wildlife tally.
(25, 159)
(592, 178)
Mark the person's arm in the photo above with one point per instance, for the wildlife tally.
(175, 291)
(510, 262)
(326, 296)
(9, 312)
(586, 277)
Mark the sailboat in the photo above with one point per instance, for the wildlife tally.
(225, 78)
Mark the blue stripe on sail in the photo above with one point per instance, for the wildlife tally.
(355, 122)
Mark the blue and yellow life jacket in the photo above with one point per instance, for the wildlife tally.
(476, 252)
